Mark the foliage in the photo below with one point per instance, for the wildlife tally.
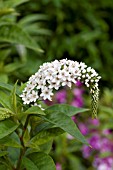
(81, 30)
(26, 130)
(47, 30)
(69, 154)
(16, 40)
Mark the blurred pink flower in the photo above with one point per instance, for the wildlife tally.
(106, 131)
(77, 102)
(78, 92)
(94, 122)
(58, 166)
(103, 163)
(83, 128)
(86, 151)
(61, 96)
(95, 141)
(106, 145)
(78, 84)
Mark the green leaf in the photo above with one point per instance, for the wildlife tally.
(7, 127)
(31, 18)
(67, 109)
(13, 99)
(26, 137)
(12, 33)
(5, 100)
(13, 3)
(4, 78)
(3, 167)
(3, 153)
(28, 164)
(4, 54)
(44, 126)
(75, 162)
(8, 87)
(34, 110)
(12, 67)
(8, 141)
(32, 150)
(64, 122)
(44, 136)
(42, 161)
(13, 154)
(46, 147)
(6, 11)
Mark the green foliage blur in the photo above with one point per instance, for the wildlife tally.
(81, 30)
(78, 30)
(37, 31)
(19, 42)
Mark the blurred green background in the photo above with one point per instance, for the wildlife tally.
(37, 31)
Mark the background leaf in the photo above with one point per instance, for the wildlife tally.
(44, 136)
(42, 161)
(28, 164)
(14, 3)
(67, 109)
(9, 141)
(34, 110)
(64, 122)
(2, 153)
(5, 100)
(12, 33)
(7, 127)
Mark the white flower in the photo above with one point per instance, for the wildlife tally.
(63, 75)
(88, 69)
(72, 78)
(41, 84)
(82, 65)
(46, 93)
(67, 83)
(28, 88)
(33, 96)
(26, 99)
(54, 84)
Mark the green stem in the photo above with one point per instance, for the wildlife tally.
(22, 151)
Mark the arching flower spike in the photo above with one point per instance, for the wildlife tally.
(53, 75)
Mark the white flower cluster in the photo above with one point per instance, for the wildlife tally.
(53, 75)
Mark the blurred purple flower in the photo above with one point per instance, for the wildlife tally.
(58, 166)
(106, 145)
(74, 119)
(86, 150)
(94, 122)
(78, 92)
(103, 163)
(107, 131)
(95, 141)
(49, 103)
(61, 96)
(77, 102)
(83, 128)
(103, 166)
(78, 84)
